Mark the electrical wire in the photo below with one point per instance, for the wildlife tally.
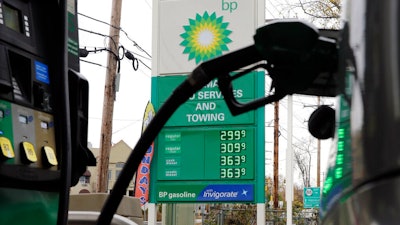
(125, 127)
(92, 32)
(144, 64)
(93, 63)
(122, 30)
(142, 56)
(135, 61)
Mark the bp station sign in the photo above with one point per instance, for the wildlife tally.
(204, 154)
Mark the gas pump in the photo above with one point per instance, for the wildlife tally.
(43, 111)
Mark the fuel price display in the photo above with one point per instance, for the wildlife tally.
(204, 153)
(233, 154)
(207, 154)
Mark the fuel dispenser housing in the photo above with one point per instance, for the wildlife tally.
(43, 111)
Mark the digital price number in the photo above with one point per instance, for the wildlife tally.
(232, 160)
(234, 173)
(234, 151)
(230, 135)
(232, 147)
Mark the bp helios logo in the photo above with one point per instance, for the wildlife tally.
(205, 37)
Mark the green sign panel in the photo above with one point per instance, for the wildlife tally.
(214, 112)
(207, 106)
(242, 89)
(312, 197)
(204, 154)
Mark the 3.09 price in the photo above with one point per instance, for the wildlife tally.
(232, 160)
(232, 173)
(232, 147)
(232, 135)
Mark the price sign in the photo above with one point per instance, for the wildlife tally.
(235, 156)
(210, 154)
(204, 153)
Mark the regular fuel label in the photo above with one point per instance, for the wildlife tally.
(206, 193)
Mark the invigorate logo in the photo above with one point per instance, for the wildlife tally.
(205, 37)
(220, 194)
(227, 192)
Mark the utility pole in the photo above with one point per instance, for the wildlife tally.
(109, 97)
(276, 154)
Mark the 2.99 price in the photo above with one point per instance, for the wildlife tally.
(232, 135)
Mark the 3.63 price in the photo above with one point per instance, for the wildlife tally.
(232, 160)
(232, 173)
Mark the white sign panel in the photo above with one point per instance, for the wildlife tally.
(188, 32)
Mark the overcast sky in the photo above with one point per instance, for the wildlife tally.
(134, 89)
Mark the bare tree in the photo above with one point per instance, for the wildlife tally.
(302, 155)
(322, 9)
(322, 13)
(326, 13)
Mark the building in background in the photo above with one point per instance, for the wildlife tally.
(118, 155)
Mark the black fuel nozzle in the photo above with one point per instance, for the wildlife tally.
(292, 52)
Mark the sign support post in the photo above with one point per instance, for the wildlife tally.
(289, 163)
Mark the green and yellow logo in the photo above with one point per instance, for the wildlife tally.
(205, 37)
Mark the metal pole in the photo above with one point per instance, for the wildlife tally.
(319, 155)
(289, 162)
(260, 213)
(109, 97)
(152, 215)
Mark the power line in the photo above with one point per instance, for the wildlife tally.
(93, 63)
(122, 30)
(97, 20)
(100, 65)
(276, 9)
(148, 56)
(139, 55)
(125, 127)
(119, 120)
(84, 51)
(144, 64)
(297, 118)
(92, 32)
